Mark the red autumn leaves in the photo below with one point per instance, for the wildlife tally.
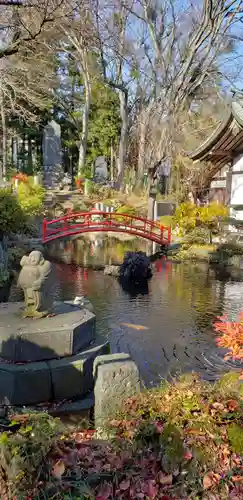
(231, 337)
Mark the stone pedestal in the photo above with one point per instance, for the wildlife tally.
(48, 359)
(54, 380)
(67, 333)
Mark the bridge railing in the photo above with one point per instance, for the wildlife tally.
(104, 221)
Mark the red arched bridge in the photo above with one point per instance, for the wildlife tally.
(96, 221)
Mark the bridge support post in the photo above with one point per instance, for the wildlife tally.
(169, 235)
(151, 202)
(44, 229)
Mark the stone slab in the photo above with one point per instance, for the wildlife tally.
(25, 384)
(68, 332)
(109, 358)
(116, 378)
(73, 376)
(72, 410)
(40, 382)
(80, 406)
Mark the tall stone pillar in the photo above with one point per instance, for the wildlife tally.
(52, 155)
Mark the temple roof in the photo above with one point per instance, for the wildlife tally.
(226, 141)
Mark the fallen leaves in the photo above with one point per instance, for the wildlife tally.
(58, 469)
(165, 480)
(82, 436)
(233, 405)
(218, 406)
(187, 455)
(138, 464)
(124, 485)
(211, 480)
(237, 479)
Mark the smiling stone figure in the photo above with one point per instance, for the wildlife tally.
(36, 280)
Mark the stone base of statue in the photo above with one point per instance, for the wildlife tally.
(50, 381)
(70, 330)
(47, 359)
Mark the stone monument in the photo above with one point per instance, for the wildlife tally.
(101, 171)
(52, 155)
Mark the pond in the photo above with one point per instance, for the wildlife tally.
(176, 311)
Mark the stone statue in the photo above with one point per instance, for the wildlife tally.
(36, 280)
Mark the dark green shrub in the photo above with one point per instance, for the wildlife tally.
(23, 454)
(15, 255)
(4, 277)
(12, 217)
(198, 236)
(230, 249)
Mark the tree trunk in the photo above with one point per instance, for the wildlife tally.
(85, 125)
(30, 159)
(123, 137)
(141, 150)
(3, 173)
(112, 162)
(15, 152)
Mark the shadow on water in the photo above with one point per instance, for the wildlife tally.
(177, 308)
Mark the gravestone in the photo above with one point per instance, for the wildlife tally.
(163, 208)
(52, 154)
(101, 171)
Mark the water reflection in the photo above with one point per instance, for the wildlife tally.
(178, 307)
(96, 252)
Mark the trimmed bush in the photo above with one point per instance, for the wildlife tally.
(4, 277)
(12, 216)
(31, 198)
(15, 255)
(188, 217)
(126, 209)
(197, 236)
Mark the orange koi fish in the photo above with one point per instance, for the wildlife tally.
(135, 327)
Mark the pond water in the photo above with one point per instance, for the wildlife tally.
(176, 311)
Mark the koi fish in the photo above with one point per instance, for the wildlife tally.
(135, 327)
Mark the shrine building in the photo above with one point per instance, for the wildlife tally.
(224, 151)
